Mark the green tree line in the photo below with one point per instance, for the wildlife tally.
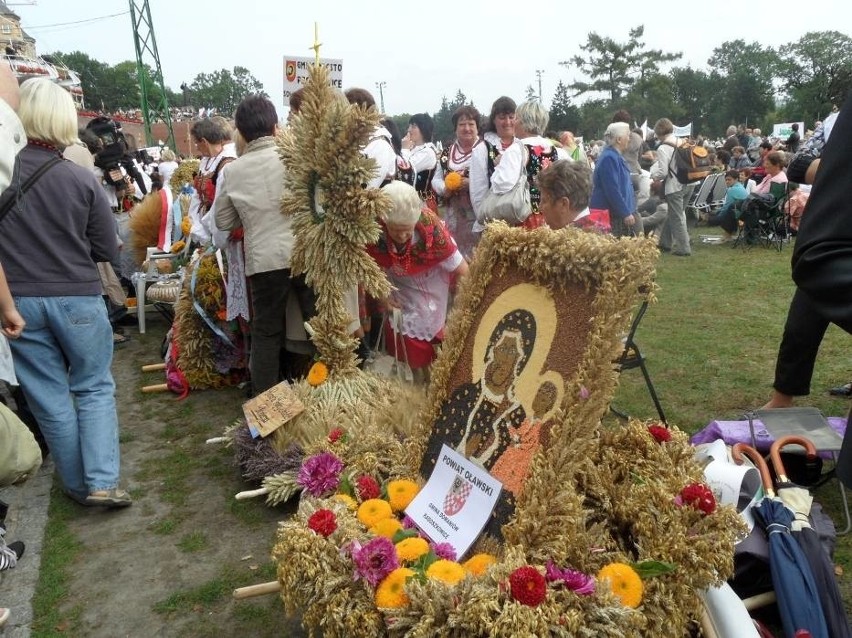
(114, 87)
(743, 83)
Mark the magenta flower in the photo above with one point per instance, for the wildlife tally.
(444, 551)
(408, 522)
(374, 560)
(320, 474)
(584, 392)
(578, 582)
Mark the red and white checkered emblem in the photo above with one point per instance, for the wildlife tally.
(456, 496)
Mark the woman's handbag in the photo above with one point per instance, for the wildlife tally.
(513, 206)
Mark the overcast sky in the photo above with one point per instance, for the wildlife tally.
(422, 50)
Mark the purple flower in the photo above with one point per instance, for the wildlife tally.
(408, 522)
(578, 582)
(584, 392)
(320, 474)
(374, 560)
(445, 551)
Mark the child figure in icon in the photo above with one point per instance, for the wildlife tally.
(512, 467)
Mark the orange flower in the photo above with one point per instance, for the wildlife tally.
(410, 549)
(401, 493)
(317, 374)
(386, 527)
(185, 225)
(178, 246)
(624, 582)
(453, 181)
(372, 511)
(446, 571)
(478, 563)
(391, 591)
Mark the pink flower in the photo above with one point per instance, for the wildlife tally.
(575, 580)
(320, 474)
(408, 522)
(584, 392)
(374, 560)
(444, 551)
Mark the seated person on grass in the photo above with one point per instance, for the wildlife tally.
(771, 188)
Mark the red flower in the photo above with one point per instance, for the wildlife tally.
(323, 522)
(700, 496)
(335, 435)
(367, 487)
(660, 433)
(528, 586)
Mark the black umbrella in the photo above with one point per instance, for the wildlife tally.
(800, 500)
(795, 590)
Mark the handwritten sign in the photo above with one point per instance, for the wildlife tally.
(269, 410)
(296, 73)
(456, 501)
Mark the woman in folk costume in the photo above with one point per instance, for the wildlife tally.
(421, 260)
(212, 137)
(418, 150)
(534, 152)
(499, 135)
(452, 179)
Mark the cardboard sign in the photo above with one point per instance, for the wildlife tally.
(456, 501)
(269, 410)
(296, 73)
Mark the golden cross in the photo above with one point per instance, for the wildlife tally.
(317, 43)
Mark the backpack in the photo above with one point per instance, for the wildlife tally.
(690, 163)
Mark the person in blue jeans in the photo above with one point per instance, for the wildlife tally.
(52, 237)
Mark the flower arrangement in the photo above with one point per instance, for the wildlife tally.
(637, 575)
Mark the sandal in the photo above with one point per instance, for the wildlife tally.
(841, 391)
(109, 498)
(119, 339)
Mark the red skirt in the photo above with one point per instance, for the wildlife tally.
(418, 353)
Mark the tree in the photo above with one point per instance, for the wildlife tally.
(93, 76)
(223, 89)
(530, 93)
(443, 119)
(816, 74)
(564, 116)
(745, 73)
(614, 67)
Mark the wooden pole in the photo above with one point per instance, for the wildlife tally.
(257, 590)
(160, 387)
(242, 496)
(153, 367)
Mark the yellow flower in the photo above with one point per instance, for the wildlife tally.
(391, 591)
(453, 181)
(386, 527)
(347, 500)
(185, 225)
(478, 563)
(446, 571)
(410, 549)
(624, 582)
(374, 510)
(178, 246)
(317, 374)
(401, 493)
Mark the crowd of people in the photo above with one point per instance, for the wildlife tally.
(441, 198)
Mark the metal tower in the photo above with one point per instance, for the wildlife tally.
(146, 52)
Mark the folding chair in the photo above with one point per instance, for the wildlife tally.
(631, 358)
(764, 223)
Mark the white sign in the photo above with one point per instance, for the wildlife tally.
(683, 131)
(784, 130)
(296, 73)
(456, 501)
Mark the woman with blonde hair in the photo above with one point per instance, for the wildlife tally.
(63, 357)
(421, 260)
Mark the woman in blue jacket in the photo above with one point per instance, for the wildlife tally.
(612, 189)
